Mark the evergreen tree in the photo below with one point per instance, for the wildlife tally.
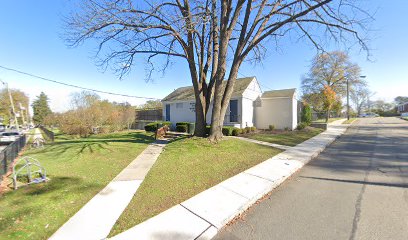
(40, 108)
(306, 116)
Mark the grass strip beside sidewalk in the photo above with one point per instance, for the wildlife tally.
(286, 138)
(187, 167)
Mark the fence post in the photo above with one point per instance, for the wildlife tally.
(5, 161)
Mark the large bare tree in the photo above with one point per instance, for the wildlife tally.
(214, 37)
(333, 69)
(360, 96)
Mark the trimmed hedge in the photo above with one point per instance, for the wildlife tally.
(236, 131)
(181, 128)
(182, 123)
(207, 130)
(152, 127)
(227, 131)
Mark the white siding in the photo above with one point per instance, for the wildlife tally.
(294, 112)
(280, 112)
(252, 93)
(184, 113)
(246, 110)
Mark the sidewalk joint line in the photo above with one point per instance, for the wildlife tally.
(262, 177)
(234, 192)
(197, 215)
(203, 232)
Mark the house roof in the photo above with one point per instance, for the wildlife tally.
(187, 93)
(279, 93)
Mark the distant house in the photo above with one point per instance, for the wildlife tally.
(402, 108)
(248, 106)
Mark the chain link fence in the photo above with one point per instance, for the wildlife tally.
(8, 154)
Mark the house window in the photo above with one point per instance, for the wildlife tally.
(192, 107)
(179, 105)
(233, 111)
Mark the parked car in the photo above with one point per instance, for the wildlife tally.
(9, 137)
(368, 115)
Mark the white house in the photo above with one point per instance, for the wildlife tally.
(278, 108)
(248, 106)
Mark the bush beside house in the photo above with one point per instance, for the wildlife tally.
(182, 128)
(152, 127)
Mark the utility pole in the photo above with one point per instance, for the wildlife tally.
(12, 105)
(22, 113)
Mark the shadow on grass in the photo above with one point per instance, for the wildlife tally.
(94, 143)
(53, 190)
(129, 138)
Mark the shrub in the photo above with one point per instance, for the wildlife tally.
(271, 127)
(253, 129)
(227, 131)
(236, 131)
(182, 123)
(286, 129)
(181, 128)
(306, 115)
(301, 126)
(247, 129)
(152, 127)
(207, 130)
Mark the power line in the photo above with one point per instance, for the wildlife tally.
(75, 86)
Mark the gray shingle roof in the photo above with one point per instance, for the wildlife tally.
(279, 93)
(187, 93)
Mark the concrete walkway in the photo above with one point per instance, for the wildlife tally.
(97, 217)
(37, 134)
(201, 216)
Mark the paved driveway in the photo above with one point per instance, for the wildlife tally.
(356, 189)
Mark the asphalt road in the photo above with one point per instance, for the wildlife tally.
(356, 189)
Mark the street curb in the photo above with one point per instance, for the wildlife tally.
(203, 215)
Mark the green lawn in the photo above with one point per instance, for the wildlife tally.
(78, 168)
(405, 118)
(350, 121)
(186, 168)
(288, 138)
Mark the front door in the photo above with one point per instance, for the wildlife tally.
(167, 112)
(234, 111)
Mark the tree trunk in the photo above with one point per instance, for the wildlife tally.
(327, 115)
(217, 120)
(200, 124)
(222, 98)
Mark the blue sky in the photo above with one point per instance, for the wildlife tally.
(30, 40)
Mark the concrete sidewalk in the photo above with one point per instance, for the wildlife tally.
(97, 217)
(201, 216)
(278, 146)
(37, 134)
